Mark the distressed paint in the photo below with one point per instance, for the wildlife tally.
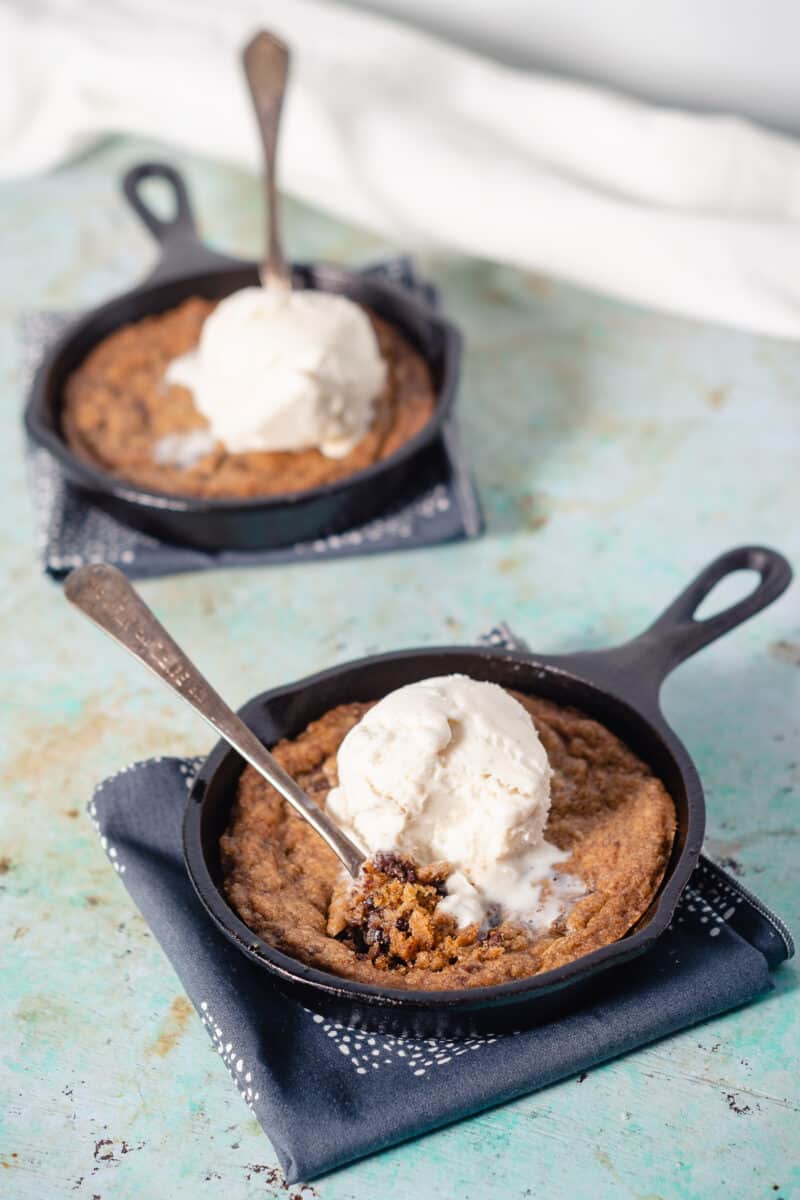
(616, 450)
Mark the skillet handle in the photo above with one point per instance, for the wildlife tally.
(677, 630)
(637, 669)
(182, 251)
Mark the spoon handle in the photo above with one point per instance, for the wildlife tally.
(106, 597)
(266, 65)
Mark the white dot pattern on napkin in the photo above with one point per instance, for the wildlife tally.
(711, 909)
(367, 1052)
(241, 1074)
(399, 526)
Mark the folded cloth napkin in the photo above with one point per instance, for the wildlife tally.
(439, 505)
(372, 1090)
(417, 139)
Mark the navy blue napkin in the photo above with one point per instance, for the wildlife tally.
(439, 505)
(370, 1090)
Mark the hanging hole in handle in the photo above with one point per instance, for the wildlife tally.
(728, 591)
(160, 198)
(158, 195)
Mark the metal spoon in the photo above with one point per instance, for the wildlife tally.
(106, 597)
(266, 65)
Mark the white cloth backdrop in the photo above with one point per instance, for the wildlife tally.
(428, 143)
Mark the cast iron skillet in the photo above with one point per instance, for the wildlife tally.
(188, 268)
(619, 687)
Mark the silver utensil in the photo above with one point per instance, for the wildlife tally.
(266, 65)
(104, 595)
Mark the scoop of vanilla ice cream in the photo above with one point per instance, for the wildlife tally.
(284, 370)
(452, 769)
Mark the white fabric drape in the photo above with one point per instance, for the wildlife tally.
(429, 144)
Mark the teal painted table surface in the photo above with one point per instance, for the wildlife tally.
(616, 452)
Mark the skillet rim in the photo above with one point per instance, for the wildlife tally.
(501, 995)
(97, 479)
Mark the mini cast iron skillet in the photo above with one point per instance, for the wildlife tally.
(618, 687)
(188, 268)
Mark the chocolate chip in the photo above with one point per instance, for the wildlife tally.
(395, 867)
(402, 924)
(354, 935)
